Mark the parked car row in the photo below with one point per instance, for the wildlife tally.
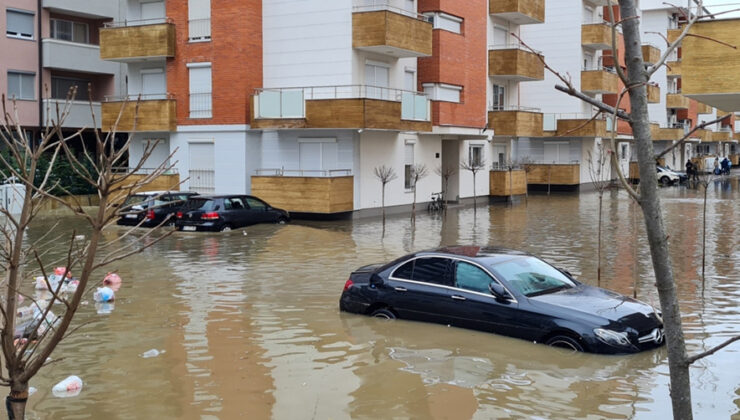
(189, 211)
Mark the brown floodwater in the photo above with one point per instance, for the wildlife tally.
(250, 326)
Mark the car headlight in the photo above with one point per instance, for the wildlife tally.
(613, 338)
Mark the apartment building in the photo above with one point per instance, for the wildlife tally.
(46, 51)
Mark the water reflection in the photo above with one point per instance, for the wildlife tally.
(250, 325)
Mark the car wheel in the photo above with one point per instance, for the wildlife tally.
(282, 220)
(564, 342)
(383, 313)
(226, 228)
(665, 180)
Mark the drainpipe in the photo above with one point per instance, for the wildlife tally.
(40, 71)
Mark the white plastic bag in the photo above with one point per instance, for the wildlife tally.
(104, 294)
(70, 387)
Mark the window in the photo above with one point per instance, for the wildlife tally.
(433, 270)
(623, 151)
(557, 152)
(200, 90)
(408, 164)
(234, 203)
(66, 30)
(60, 87)
(316, 154)
(19, 24)
(376, 80)
(199, 20)
(475, 155)
(499, 98)
(256, 204)
(471, 277)
(442, 92)
(445, 22)
(21, 85)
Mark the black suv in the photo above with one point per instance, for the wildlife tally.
(219, 213)
(149, 209)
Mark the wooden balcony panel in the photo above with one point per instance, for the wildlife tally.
(388, 33)
(735, 159)
(704, 135)
(721, 113)
(164, 182)
(677, 101)
(507, 183)
(669, 134)
(597, 36)
(516, 123)
(360, 113)
(599, 81)
(673, 34)
(722, 136)
(736, 136)
(321, 195)
(653, 94)
(673, 68)
(650, 54)
(154, 115)
(654, 131)
(554, 174)
(516, 65)
(581, 128)
(702, 108)
(137, 42)
(520, 12)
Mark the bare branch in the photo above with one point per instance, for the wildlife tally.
(713, 350)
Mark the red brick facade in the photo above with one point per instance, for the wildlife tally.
(461, 60)
(235, 54)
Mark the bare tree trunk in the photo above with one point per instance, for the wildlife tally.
(704, 237)
(650, 202)
(15, 402)
(475, 205)
(598, 264)
(549, 169)
(382, 203)
(413, 207)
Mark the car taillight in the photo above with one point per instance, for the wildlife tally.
(213, 215)
(179, 215)
(150, 215)
(348, 284)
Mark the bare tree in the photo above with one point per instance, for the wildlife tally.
(597, 166)
(445, 172)
(418, 172)
(474, 166)
(385, 174)
(635, 79)
(705, 178)
(26, 348)
(527, 164)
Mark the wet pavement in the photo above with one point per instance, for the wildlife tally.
(250, 326)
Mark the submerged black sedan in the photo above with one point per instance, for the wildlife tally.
(505, 292)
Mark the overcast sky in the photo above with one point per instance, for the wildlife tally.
(715, 6)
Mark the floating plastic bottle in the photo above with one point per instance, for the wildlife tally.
(104, 294)
(113, 281)
(70, 387)
(151, 353)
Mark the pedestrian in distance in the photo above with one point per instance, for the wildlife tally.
(689, 169)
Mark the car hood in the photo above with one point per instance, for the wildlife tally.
(589, 301)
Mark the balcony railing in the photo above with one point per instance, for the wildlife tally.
(360, 6)
(550, 121)
(290, 102)
(512, 45)
(140, 22)
(315, 173)
(513, 108)
(201, 105)
(136, 96)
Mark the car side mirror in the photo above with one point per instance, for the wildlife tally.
(375, 280)
(498, 291)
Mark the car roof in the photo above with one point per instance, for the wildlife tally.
(153, 193)
(487, 254)
(215, 196)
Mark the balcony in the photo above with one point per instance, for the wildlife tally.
(156, 113)
(594, 82)
(76, 57)
(711, 68)
(673, 34)
(673, 68)
(706, 136)
(84, 8)
(391, 31)
(668, 134)
(78, 113)
(722, 135)
(519, 12)
(554, 174)
(676, 101)
(503, 183)
(316, 192)
(702, 108)
(510, 62)
(349, 106)
(721, 113)
(516, 122)
(167, 181)
(602, 2)
(137, 40)
(653, 94)
(576, 125)
(597, 36)
(650, 54)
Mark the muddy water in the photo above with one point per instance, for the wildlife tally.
(251, 329)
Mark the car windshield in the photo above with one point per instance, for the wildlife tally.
(200, 204)
(135, 200)
(531, 276)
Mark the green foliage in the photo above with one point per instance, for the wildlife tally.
(63, 177)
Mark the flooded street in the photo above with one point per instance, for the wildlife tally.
(250, 325)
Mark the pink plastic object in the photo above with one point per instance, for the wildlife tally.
(113, 281)
(59, 271)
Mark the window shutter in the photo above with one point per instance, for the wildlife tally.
(200, 92)
(19, 24)
(199, 17)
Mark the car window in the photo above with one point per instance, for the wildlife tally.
(234, 203)
(256, 204)
(471, 277)
(429, 270)
(531, 276)
(200, 204)
(134, 200)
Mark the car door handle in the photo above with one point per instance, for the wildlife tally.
(458, 297)
(401, 289)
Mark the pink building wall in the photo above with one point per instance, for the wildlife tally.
(21, 55)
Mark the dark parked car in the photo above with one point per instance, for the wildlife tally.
(218, 213)
(151, 209)
(505, 292)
